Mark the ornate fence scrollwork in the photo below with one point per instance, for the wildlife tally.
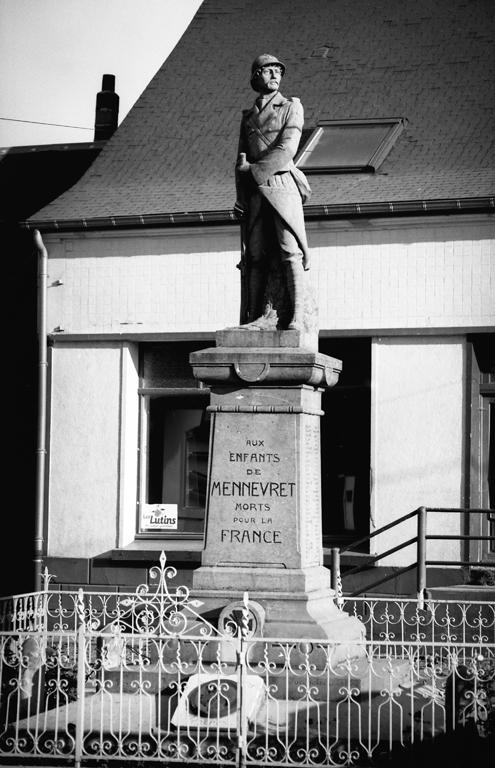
(144, 677)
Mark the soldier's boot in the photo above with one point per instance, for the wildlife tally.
(256, 292)
(295, 286)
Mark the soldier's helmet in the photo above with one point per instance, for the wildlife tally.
(264, 60)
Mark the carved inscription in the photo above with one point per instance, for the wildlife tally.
(251, 537)
(311, 524)
(258, 487)
(264, 504)
(251, 488)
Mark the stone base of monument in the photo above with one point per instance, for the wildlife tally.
(297, 615)
(263, 529)
(297, 604)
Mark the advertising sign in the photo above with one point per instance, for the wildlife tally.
(159, 517)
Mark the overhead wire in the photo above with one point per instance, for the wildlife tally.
(37, 122)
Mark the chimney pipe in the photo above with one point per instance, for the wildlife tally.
(107, 109)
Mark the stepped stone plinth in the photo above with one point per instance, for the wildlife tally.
(263, 528)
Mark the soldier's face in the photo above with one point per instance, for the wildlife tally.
(268, 79)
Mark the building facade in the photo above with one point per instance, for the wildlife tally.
(142, 257)
(405, 304)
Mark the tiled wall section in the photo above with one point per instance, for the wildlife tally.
(143, 283)
(408, 274)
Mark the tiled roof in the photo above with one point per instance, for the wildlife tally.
(429, 62)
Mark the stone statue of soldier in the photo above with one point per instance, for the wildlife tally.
(270, 196)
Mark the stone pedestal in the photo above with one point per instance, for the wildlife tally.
(263, 528)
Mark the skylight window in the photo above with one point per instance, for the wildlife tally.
(340, 146)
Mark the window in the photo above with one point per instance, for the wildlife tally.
(339, 146)
(174, 440)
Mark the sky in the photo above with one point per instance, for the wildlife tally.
(53, 54)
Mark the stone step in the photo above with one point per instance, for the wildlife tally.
(441, 584)
(472, 593)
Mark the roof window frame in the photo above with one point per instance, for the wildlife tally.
(397, 125)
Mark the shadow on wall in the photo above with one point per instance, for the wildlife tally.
(20, 413)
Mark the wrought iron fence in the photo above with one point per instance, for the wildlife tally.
(401, 620)
(150, 608)
(143, 677)
(316, 712)
(231, 701)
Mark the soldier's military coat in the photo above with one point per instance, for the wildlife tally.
(270, 139)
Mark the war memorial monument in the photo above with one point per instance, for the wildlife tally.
(263, 527)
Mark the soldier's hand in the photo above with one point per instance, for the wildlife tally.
(239, 210)
(242, 164)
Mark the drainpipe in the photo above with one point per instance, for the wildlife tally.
(42, 388)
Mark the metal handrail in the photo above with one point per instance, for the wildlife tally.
(377, 583)
(378, 531)
(420, 539)
(391, 551)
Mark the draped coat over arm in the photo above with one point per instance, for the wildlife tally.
(270, 139)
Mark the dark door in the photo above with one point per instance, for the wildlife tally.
(345, 444)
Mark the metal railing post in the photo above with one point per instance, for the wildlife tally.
(241, 663)
(81, 679)
(335, 568)
(421, 557)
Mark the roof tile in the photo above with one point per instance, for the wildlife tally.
(432, 63)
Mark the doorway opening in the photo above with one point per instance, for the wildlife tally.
(345, 443)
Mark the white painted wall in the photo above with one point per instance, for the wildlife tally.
(405, 275)
(129, 435)
(184, 281)
(85, 461)
(417, 439)
(383, 274)
(430, 273)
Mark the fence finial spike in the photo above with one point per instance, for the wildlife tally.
(46, 578)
